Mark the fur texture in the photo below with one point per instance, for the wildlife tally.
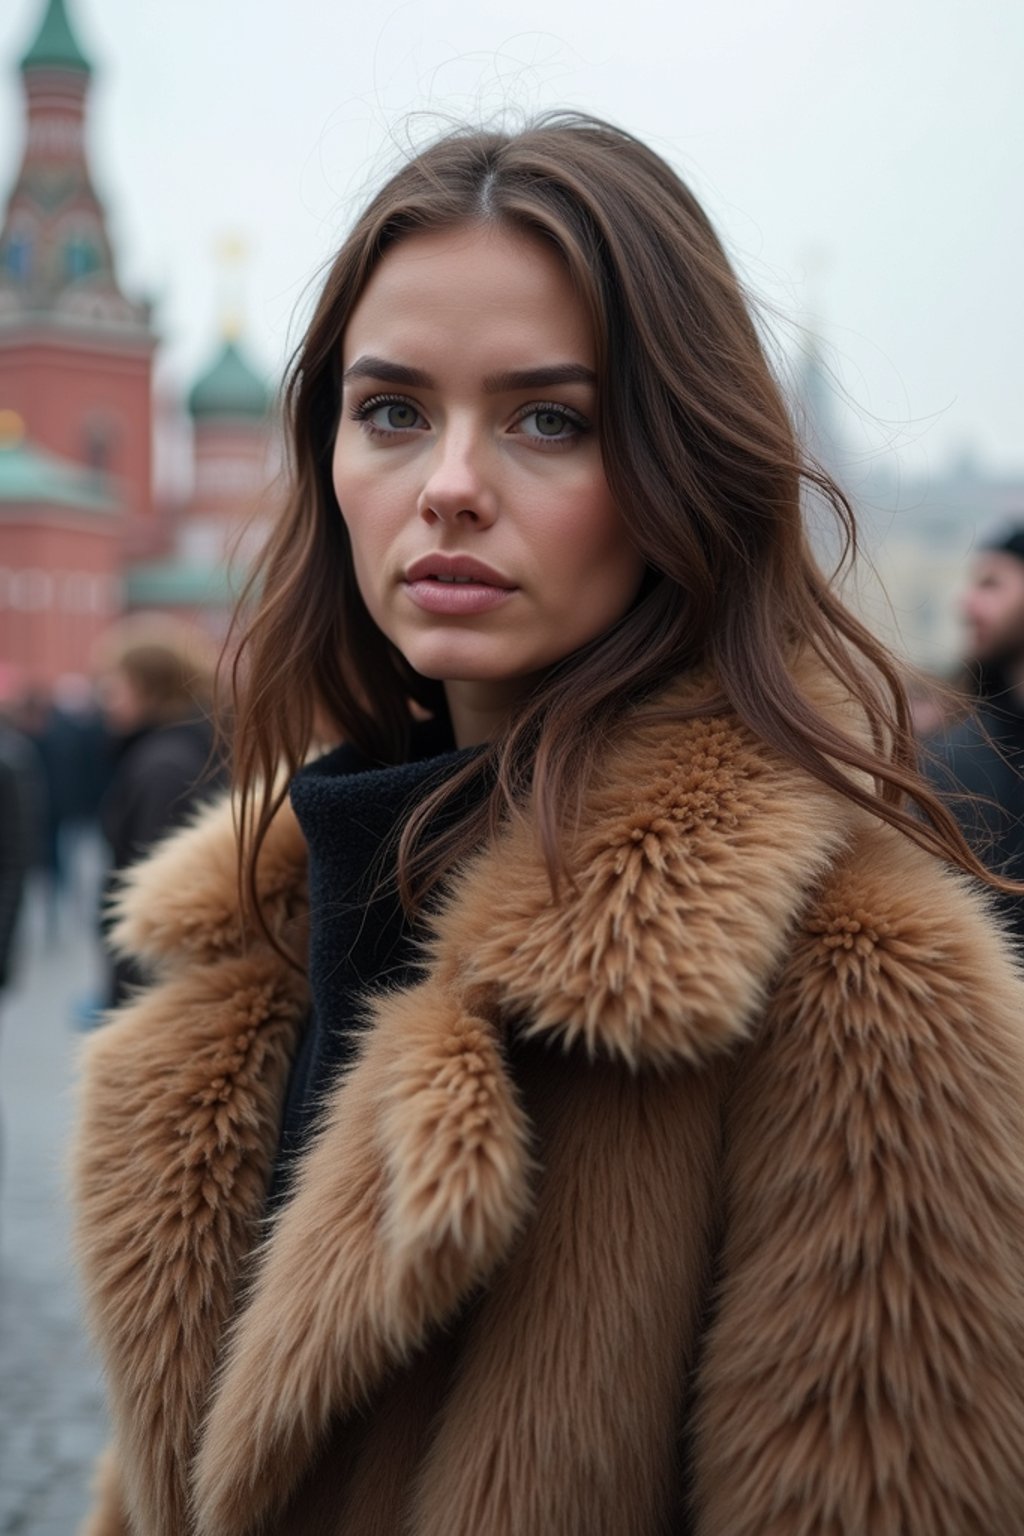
(722, 1152)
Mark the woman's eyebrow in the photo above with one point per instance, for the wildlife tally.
(387, 372)
(539, 378)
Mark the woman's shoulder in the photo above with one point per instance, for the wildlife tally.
(893, 926)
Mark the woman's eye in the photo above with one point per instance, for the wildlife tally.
(550, 422)
(399, 415)
(386, 416)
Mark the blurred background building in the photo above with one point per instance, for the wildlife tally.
(85, 535)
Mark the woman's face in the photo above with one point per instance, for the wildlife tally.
(468, 467)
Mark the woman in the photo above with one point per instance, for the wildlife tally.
(643, 1150)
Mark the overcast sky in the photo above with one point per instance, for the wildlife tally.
(862, 161)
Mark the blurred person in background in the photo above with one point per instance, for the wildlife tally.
(21, 822)
(73, 760)
(20, 831)
(90, 745)
(155, 685)
(977, 760)
(55, 740)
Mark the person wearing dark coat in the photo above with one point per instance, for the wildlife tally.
(156, 685)
(20, 834)
(977, 762)
(21, 823)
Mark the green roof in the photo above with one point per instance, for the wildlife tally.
(32, 475)
(230, 387)
(56, 46)
(181, 584)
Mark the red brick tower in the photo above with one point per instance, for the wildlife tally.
(60, 551)
(76, 355)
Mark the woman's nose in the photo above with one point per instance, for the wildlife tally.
(458, 487)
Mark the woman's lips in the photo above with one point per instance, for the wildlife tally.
(456, 597)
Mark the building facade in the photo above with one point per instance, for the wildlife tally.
(76, 397)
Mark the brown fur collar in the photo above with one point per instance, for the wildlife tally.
(694, 872)
(698, 849)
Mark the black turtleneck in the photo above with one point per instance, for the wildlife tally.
(351, 813)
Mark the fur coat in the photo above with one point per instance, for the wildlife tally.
(690, 1200)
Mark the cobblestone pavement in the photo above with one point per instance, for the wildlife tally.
(51, 1400)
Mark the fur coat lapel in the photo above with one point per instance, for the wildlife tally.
(699, 851)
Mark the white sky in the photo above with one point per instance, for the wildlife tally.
(862, 160)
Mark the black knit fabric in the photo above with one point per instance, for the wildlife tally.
(351, 814)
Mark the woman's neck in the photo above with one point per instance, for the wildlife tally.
(478, 710)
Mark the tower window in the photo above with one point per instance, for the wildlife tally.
(98, 444)
(80, 257)
(17, 257)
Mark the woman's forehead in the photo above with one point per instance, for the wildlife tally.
(501, 296)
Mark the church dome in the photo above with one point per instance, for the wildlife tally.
(230, 387)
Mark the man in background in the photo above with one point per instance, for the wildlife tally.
(982, 754)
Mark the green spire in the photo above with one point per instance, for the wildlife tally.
(229, 388)
(56, 46)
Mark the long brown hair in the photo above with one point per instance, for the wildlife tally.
(702, 458)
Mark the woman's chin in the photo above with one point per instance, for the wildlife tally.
(465, 663)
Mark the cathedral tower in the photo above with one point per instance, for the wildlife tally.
(76, 354)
